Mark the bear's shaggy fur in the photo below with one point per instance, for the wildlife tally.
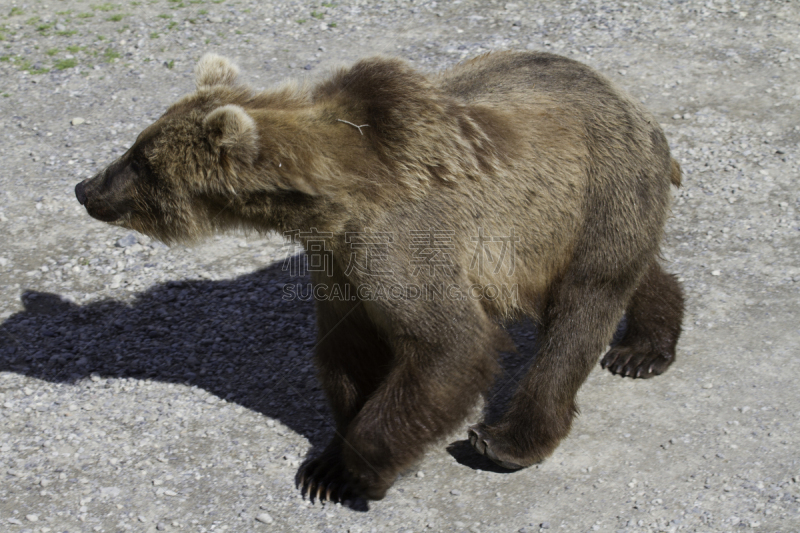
(530, 162)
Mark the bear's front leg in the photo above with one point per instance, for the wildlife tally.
(352, 359)
(437, 375)
(577, 323)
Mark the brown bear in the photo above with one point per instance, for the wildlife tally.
(440, 206)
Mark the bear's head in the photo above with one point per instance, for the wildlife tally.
(175, 181)
(288, 158)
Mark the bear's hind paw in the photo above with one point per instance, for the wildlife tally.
(627, 361)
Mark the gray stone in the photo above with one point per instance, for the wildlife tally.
(128, 240)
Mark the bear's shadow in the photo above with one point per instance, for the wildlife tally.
(241, 339)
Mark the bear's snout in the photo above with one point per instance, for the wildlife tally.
(100, 202)
(80, 192)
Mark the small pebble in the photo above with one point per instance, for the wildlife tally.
(77, 121)
(264, 518)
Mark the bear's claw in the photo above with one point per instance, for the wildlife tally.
(635, 363)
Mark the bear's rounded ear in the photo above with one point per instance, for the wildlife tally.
(233, 131)
(213, 70)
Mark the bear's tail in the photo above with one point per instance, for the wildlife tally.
(675, 174)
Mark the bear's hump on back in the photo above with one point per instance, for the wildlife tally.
(378, 85)
(503, 73)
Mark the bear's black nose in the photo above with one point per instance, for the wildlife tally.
(80, 192)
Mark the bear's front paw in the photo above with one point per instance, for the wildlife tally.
(325, 479)
(371, 485)
(481, 438)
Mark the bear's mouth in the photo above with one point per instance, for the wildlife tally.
(106, 215)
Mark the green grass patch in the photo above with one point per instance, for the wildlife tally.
(110, 55)
(105, 7)
(6, 95)
(203, 12)
(85, 15)
(5, 59)
(64, 13)
(33, 20)
(52, 51)
(74, 49)
(171, 25)
(15, 12)
(331, 24)
(170, 64)
(301, 21)
(317, 15)
(116, 18)
(66, 33)
(165, 16)
(154, 35)
(136, 4)
(64, 64)
(327, 4)
(44, 27)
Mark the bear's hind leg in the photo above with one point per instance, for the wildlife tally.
(654, 317)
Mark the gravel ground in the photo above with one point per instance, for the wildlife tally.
(148, 388)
